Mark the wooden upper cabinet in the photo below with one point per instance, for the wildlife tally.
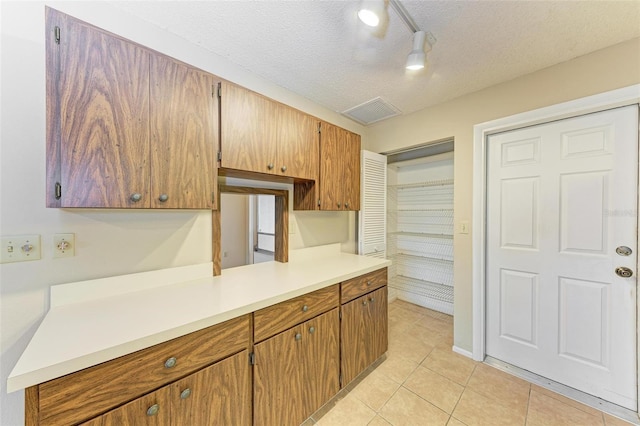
(247, 134)
(339, 187)
(298, 143)
(184, 135)
(98, 115)
(263, 136)
(125, 125)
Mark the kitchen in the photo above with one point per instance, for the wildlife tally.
(135, 240)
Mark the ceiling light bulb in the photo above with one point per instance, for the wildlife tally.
(371, 12)
(417, 57)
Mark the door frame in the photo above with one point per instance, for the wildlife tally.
(625, 96)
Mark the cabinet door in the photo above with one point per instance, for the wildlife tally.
(149, 410)
(322, 359)
(184, 135)
(248, 134)
(351, 167)
(378, 314)
(103, 108)
(339, 169)
(278, 387)
(217, 395)
(298, 144)
(364, 333)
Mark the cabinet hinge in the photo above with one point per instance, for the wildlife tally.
(340, 315)
(219, 90)
(57, 34)
(252, 358)
(318, 202)
(219, 155)
(213, 91)
(58, 191)
(319, 127)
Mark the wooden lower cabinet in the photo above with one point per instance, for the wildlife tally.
(364, 331)
(216, 395)
(297, 371)
(149, 410)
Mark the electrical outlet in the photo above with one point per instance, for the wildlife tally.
(19, 248)
(64, 245)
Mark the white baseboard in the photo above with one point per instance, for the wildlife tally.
(461, 351)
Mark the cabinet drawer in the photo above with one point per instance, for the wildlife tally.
(90, 392)
(270, 321)
(363, 284)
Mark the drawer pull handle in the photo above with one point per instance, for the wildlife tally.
(346, 205)
(283, 168)
(371, 299)
(163, 197)
(298, 336)
(171, 362)
(270, 166)
(153, 410)
(185, 393)
(364, 302)
(368, 283)
(312, 330)
(305, 308)
(135, 197)
(339, 205)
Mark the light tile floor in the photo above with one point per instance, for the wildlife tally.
(423, 382)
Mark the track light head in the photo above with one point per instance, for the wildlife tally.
(371, 12)
(417, 57)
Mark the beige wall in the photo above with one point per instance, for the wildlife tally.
(604, 70)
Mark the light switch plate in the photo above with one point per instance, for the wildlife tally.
(464, 227)
(19, 248)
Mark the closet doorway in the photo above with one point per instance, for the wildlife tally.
(420, 225)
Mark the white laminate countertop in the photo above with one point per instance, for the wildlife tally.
(96, 321)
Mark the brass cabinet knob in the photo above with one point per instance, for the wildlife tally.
(135, 197)
(346, 205)
(270, 166)
(312, 330)
(185, 393)
(364, 302)
(153, 410)
(305, 308)
(339, 205)
(171, 362)
(283, 168)
(298, 336)
(371, 299)
(163, 198)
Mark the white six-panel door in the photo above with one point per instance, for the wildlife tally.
(561, 197)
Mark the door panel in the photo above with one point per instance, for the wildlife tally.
(561, 197)
(104, 103)
(184, 135)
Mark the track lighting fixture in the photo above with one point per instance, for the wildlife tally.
(372, 12)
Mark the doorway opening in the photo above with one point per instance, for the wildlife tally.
(420, 225)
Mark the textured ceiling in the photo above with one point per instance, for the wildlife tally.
(320, 50)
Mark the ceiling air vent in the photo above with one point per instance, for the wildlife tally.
(371, 111)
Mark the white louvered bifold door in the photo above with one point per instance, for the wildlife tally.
(372, 222)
